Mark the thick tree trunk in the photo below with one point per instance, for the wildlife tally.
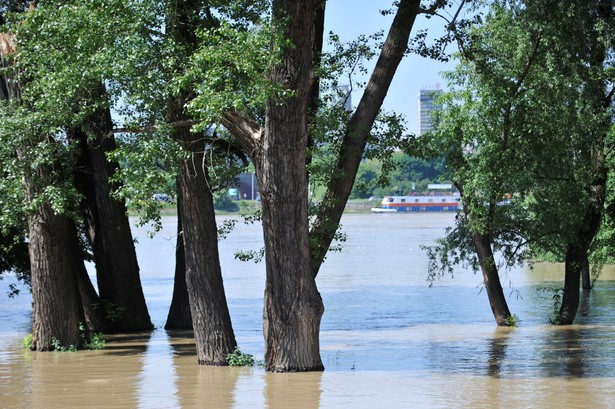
(210, 315)
(491, 278)
(108, 227)
(358, 130)
(179, 317)
(570, 299)
(293, 306)
(576, 252)
(55, 296)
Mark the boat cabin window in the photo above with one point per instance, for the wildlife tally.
(416, 200)
(390, 200)
(403, 200)
(443, 200)
(430, 200)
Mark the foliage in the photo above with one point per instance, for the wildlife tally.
(556, 297)
(401, 174)
(57, 345)
(224, 202)
(111, 311)
(14, 257)
(86, 341)
(512, 321)
(228, 71)
(94, 341)
(250, 255)
(238, 358)
(27, 342)
(516, 73)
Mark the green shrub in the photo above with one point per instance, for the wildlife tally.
(238, 358)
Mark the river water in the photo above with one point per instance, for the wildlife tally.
(388, 340)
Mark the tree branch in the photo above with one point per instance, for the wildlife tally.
(246, 130)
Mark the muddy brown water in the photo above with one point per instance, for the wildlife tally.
(388, 340)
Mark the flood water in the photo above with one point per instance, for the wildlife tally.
(388, 340)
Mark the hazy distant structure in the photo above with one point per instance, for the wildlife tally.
(426, 108)
(344, 91)
(339, 94)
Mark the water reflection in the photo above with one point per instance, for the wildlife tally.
(287, 391)
(497, 351)
(85, 379)
(197, 385)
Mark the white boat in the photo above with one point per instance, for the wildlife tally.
(419, 203)
(383, 210)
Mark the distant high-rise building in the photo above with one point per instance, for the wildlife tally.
(426, 108)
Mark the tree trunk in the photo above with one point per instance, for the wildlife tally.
(491, 278)
(293, 306)
(55, 297)
(179, 317)
(586, 273)
(570, 299)
(210, 316)
(108, 227)
(593, 92)
(94, 316)
(358, 130)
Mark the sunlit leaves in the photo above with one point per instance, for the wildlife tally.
(228, 71)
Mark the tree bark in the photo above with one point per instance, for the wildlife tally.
(94, 317)
(491, 278)
(179, 317)
(108, 227)
(210, 315)
(570, 300)
(55, 297)
(358, 130)
(293, 306)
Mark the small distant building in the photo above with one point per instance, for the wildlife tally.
(426, 108)
(248, 187)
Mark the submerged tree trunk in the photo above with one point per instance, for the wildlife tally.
(595, 83)
(95, 320)
(108, 227)
(576, 252)
(211, 320)
(571, 296)
(210, 315)
(491, 278)
(482, 243)
(293, 306)
(179, 317)
(55, 297)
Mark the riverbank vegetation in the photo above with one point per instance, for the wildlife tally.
(176, 98)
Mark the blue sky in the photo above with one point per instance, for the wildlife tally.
(350, 18)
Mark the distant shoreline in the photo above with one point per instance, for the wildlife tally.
(251, 206)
